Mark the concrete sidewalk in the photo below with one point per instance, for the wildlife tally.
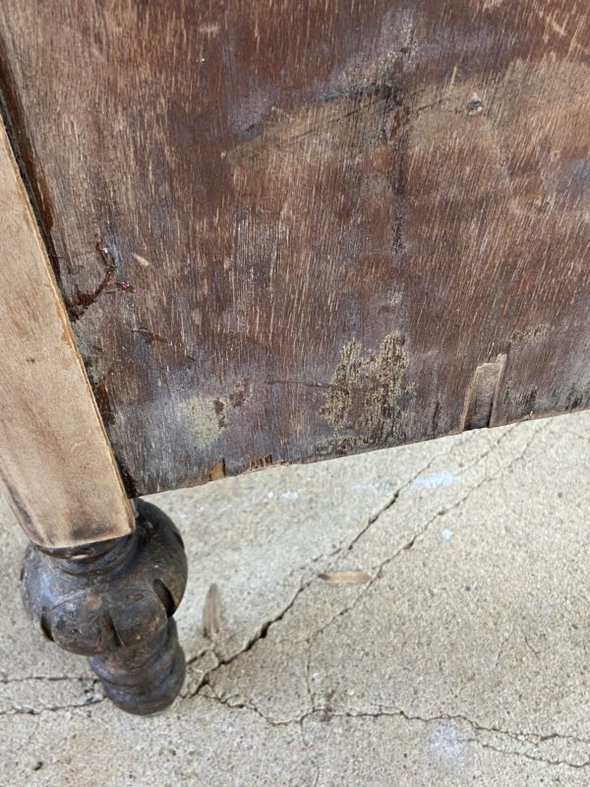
(458, 657)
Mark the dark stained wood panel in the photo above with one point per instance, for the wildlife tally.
(287, 231)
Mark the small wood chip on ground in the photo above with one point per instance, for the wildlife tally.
(213, 614)
(347, 577)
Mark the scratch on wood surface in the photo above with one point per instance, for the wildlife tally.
(573, 18)
(141, 260)
(358, 118)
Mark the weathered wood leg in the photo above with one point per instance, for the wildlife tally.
(113, 601)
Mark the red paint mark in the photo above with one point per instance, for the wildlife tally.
(124, 285)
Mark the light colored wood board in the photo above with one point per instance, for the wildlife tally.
(56, 465)
(287, 231)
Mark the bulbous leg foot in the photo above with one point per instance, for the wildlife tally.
(113, 602)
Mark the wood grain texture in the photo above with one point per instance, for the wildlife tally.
(56, 466)
(287, 231)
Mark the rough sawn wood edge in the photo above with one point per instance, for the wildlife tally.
(57, 468)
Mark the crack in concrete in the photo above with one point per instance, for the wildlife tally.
(206, 690)
(421, 533)
(342, 549)
(530, 737)
(50, 679)
(262, 630)
(378, 570)
(525, 755)
(88, 681)
(325, 714)
(209, 649)
(260, 633)
(533, 738)
(389, 504)
(24, 711)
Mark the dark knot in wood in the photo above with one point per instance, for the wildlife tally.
(114, 601)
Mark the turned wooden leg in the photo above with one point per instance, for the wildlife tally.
(100, 578)
(113, 601)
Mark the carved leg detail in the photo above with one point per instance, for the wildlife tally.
(113, 601)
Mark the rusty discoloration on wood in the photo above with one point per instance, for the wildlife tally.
(264, 184)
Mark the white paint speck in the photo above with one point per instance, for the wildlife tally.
(289, 495)
(432, 480)
(141, 260)
(447, 534)
(447, 745)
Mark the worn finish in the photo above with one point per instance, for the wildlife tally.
(56, 465)
(288, 231)
(114, 602)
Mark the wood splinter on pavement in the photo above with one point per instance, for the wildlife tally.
(213, 614)
(346, 577)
